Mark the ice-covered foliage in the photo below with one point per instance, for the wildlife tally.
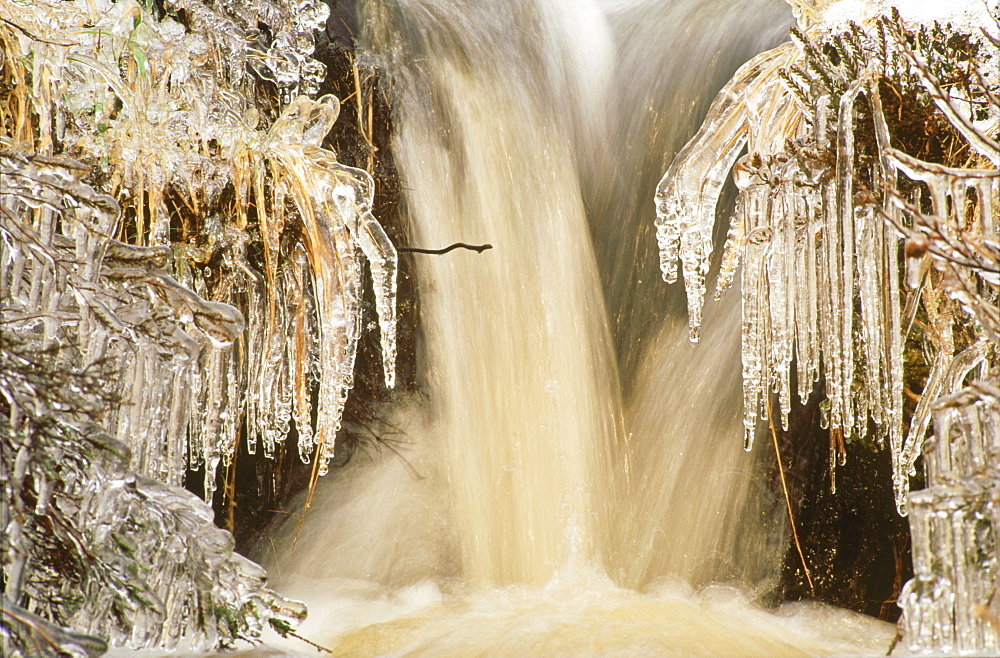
(181, 266)
(331, 205)
(173, 119)
(87, 543)
(952, 604)
(843, 142)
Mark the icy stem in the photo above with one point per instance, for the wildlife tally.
(334, 205)
(687, 195)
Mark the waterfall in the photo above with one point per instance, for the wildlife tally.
(568, 439)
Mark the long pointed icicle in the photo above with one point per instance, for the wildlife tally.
(687, 195)
(381, 255)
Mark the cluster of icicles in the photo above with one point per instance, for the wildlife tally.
(160, 111)
(160, 117)
(138, 562)
(820, 233)
(951, 604)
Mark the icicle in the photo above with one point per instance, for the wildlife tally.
(804, 310)
(753, 346)
(687, 195)
(337, 282)
(300, 340)
(780, 296)
(955, 523)
(870, 291)
(735, 244)
(845, 211)
(381, 255)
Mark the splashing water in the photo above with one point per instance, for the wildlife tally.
(573, 456)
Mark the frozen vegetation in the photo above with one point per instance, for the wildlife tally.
(865, 153)
(143, 147)
(90, 540)
(951, 604)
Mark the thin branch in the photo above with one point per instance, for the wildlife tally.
(284, 630)
(479, 248)
(788, 500)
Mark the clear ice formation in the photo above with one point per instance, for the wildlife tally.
(952, 604)
(825, 200)
(95, 337)
(333, 202)
(165, 110)
(133, 260)
(283, 57)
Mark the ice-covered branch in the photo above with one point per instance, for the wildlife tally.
(94, 336)
(831, 123)
(687, 195)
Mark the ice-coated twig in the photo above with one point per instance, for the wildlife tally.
(944, 102)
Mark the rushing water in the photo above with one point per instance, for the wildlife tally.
(573, 468)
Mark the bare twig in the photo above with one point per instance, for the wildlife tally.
(284, 630)
(479, 248)
(788, 500)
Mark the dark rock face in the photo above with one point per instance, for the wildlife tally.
(856, 545)
(342, 25)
